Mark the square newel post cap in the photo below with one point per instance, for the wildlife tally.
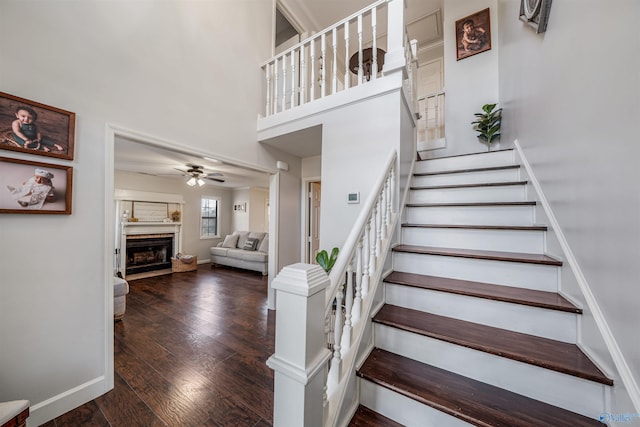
(301, 279)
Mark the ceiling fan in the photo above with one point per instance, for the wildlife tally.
(196, 175)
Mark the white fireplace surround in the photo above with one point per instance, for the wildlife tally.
(150, 228)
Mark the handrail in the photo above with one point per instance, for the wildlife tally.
(349, 247)
(431, 95)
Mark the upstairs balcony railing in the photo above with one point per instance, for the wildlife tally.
(348, 54)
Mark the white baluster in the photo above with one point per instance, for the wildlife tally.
(303, 76)
(366, 249)
(335, 371)
(267, 109)
(357, 301)
(323, 64)
(334, 68)
(383, 211)
(373, 262)
(346, 333)
(379, 224)
(284, 82)
(346, 55)
(275, 90)
(312, 89)
(293, 79)
(374, 49)
(359, 49)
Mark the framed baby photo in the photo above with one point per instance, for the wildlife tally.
(34, 128)
(28, 187)
(473, 34)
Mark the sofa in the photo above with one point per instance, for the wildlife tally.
(120, 291)
(243, 249)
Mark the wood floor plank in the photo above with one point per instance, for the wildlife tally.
(538, 351)
(87, 415)
(530, 297)
(191, 350)
(472, 401)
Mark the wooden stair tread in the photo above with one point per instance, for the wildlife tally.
(466, 154)
(546, 353)
(480, 254)
(470, 204)
(365, 417)
(480, 227)
(529, 297)
(474, 185)
(466, 399)
(487, 169)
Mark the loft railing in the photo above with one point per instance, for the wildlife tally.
(321, 319)
(431, 120)
(347, 54)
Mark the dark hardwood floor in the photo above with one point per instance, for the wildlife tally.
(190, 351)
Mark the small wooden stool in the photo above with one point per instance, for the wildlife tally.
(14, 413)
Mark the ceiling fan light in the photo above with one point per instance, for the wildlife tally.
(200, 182)
(191, 181)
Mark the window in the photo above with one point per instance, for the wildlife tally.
(208, 218)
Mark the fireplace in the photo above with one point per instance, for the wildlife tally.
(148, 252)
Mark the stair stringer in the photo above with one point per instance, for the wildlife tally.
(595, 338)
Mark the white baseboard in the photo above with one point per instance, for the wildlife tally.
(621, 365)
(55, 406)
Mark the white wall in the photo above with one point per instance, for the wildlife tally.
(469, 83)
(191, 242)
(571, 100)
(185, 71)
(258, 205)
(311, 167)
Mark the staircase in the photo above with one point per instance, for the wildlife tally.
(473, 330)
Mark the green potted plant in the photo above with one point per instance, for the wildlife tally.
(487, 124)
(327, 261)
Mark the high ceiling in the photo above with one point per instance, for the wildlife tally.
(424, 23)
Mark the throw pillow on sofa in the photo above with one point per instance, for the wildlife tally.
(230, 241)
(251, 244)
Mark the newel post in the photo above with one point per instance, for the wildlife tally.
(395, 57)
(300, 360)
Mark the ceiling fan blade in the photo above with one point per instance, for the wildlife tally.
(215, 179)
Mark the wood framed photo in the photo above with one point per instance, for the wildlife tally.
(473, 34)
(535, 13)
(34, 188)
(34, 128)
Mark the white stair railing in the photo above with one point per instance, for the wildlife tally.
(431, 121)
(314, 372)
(347, 54)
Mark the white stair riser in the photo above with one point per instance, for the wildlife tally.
(506, 193)
(526, 241)
(402, 409)
(517, 274)
(565, 391)
(471, 215)
(497, 158)
(501, 175)
(552, 324)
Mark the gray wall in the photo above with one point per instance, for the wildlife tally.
(571, 100)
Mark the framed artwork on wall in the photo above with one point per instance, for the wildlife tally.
(535, 13)
(34, 128)
(28, 187)
(473, 34)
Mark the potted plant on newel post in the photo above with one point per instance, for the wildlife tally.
(487, 124)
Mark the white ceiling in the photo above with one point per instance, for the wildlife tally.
(137, 157)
